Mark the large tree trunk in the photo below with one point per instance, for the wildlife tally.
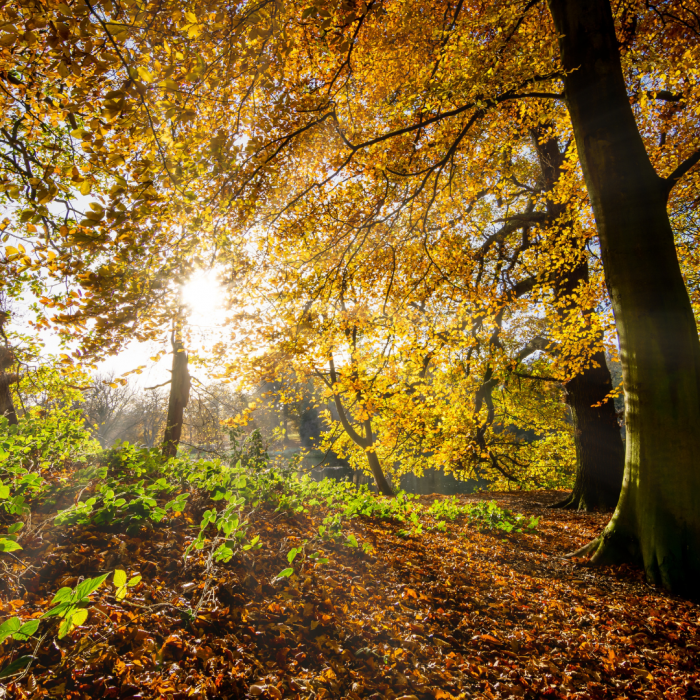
(179, 396)
(600, 454)
(657, 520)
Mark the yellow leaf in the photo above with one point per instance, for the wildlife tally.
(145, 75)
(78, 617)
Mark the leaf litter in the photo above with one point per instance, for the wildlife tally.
(457, 611)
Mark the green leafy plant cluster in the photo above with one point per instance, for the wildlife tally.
(43, 441)
(70, 610)
(346, 501)
(119, 502)
(489, 515)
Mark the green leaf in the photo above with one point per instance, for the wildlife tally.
(79, 617)
(9, 627)
(134, 581)
(352, 541)
(119, 578)
(8, 545)
(291, 556)
(64, 629)
(59, 610)
(28, 629)
(286, 573)
(89, 586)
(63, 594)
(16, 666)
(15, 528)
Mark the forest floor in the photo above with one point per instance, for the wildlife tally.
(463, 613)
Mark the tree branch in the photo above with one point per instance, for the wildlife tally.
(665, 95)
(680, 171)
(157, 386)
(344, 421)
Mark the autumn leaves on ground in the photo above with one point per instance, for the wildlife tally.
(320, 590)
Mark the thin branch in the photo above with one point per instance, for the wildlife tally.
(157, 386)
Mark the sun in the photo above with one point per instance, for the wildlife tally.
(203, 296)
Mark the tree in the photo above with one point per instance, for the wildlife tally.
(657, 519)
(600, 454)
(93, 232)
(366, 439)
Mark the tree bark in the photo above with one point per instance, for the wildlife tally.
(179, 397)
(657, 519)
(7, 408)
(600, 453)
(374, 464)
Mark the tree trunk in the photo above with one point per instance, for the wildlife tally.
(600, 454)
(657, 520)
(366, 442)
(374, 464)
(179, 396)
(7, 408)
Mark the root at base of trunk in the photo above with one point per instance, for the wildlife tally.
(610, 547)
(578, 503)
(586, 549)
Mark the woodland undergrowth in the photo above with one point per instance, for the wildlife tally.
(127, 576)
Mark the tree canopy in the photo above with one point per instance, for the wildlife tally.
(419, 205)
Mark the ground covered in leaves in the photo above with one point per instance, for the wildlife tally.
(455, 611)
